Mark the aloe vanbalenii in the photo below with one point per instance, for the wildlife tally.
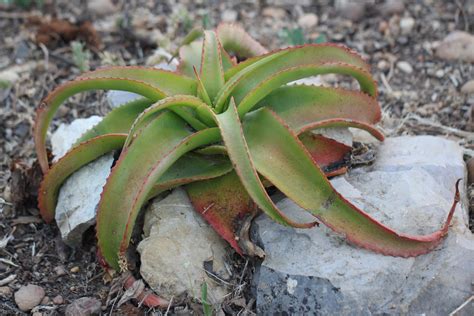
(226, 131)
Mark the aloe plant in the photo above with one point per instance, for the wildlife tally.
(226, 131)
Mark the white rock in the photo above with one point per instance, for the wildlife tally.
(457, 45)
(8, 78)
(308, 20)
(28, 297)
(407, 24)
(80, 193)
(102, 7)
(78, 199)
(352, 10)
(273, 12)
(405, 67)
(116, 98)
(66, 134)
(229, 16)
(178, 242)
(340, 134)
(409, 188)
(468, 87)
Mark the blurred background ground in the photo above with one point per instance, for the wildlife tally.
(44, 43)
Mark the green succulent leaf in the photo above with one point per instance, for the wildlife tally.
(50, 104)
(300, 105)
(212, 72)
(309, 54)
(168, 82)
(247, 98)
(191, 168)
(138, 169)
(231, 130)
(235, 40)
(292, 171)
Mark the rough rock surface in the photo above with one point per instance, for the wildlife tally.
(80, 193)
(410, 187)
(179, 247)
(66, 134)
(84, 306)
(457, 45)
(28, 297)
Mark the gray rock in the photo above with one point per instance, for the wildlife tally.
(66, 134)
(468, 87)
(177, 245)
(405, 67)
(352, 10)
(391, 7)
(84, 306)
(410, 188)
(80, 193)
(229, 16)
(308, 20)
(457, 45)
(28, 297)
(407, 24)
(116, 98)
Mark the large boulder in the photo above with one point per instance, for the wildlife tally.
(410, 188)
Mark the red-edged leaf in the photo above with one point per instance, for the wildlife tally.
(292, 170)
(48, 107)
(134, 175)
(224, 203)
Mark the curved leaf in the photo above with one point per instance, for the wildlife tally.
(292, 170)
(299, 105)
(231, 131)
(224, 203)
(50, 104)
(74, 159)
(136, 172)
(184, 103)
(341, 123)
(308, 54)
(331, 156)
(247, 95)
(191, 168)
(169, 82)
(234, 39)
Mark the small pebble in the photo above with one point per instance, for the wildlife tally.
(84, 306)
(391, 7)
(60, 270)
(229, 16)
(439, 73)
(75, 269)
(468, 87)
(407, 24)
(383, 65)
(58, 300)
(28, 297)
(45, 300)
(405, 67)
(308, 20)
(5, 291)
